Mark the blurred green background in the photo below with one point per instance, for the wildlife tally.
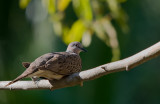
(109, 29)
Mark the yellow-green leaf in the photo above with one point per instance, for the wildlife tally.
(100, 32)
(23, 3)
(113, 40)
(83, 9)
(63, 4)
(86, 39)
(118, 14)
(51, 6)
(75, 33)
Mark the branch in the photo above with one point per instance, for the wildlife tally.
(78, 78)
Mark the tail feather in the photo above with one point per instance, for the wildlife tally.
(15, 80)
(26, 64)
(23, 75)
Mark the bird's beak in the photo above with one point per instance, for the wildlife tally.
(84, 50)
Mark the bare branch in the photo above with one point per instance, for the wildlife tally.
(78, 78)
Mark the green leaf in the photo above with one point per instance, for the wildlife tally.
(83, 9)
(107, 33)
(63, 4)
(118, 14)
(113, 40)
(51, 6)
(100, 32)
(75, 33)
(23, 3)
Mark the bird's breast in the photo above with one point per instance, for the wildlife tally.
(71, 64)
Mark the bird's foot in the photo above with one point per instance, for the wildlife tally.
(35, 80)
(10, 87)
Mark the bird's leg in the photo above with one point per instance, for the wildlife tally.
(10, 87)
(35, 80)
(81, 83)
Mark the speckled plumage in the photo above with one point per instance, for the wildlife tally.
(54, 65)
(58, 63)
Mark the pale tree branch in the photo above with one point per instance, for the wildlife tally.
(78, 78)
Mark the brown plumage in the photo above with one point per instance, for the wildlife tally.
(54, 65)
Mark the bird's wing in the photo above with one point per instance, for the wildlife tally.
(63, 63)
(55, 64)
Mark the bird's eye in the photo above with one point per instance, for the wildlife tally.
(76, 45)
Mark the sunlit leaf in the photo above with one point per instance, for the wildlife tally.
(86, 39)
(83, 9)
(118, 14)
(23, 3)
(114, 7)
(100, 32)
(113, 40)
(75, 33)
(107, 33)
(57, 26)
(63, 4)
(51, 6)
(122, 21)
(80, 14)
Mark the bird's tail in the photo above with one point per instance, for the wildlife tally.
(23, 75)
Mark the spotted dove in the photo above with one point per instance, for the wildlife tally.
(54, 65)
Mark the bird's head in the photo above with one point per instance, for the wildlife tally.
(75, 47)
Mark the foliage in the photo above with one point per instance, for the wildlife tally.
(78, 20)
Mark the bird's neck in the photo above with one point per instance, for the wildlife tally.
(72, 52)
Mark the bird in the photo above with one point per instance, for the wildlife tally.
(54, 65)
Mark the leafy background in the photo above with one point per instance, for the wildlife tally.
(109, 29)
